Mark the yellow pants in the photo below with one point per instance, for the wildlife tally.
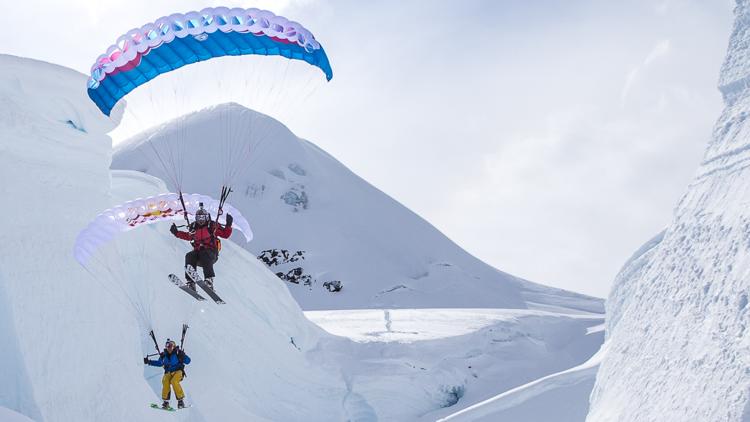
(172, 379)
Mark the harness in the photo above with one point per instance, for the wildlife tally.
(180, 360)
(209, 242)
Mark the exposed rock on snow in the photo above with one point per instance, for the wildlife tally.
(296, 197)
(333, 286)
(280, 259)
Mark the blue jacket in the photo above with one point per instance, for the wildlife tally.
(171, 361)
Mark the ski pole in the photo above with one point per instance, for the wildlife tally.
(221, 202)
(225, 191)
(156, 345)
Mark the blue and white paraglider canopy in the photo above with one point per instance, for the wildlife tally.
(177, 40)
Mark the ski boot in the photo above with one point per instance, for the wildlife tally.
(165, 405)
(190, 273)
(210, 282)
(180, 404)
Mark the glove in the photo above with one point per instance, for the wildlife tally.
(173, 229)
(229, 220)
(145, 361)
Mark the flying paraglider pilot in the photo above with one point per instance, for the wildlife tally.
(202, 234)
(173, 359)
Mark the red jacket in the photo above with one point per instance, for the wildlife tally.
(201, 236)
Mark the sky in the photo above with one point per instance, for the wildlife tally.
(548, 138)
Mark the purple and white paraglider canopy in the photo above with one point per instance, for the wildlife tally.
(144, 211)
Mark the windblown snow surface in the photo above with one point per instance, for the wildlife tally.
(556, 397)
(385, 255)
(678, 348)
(73, 338)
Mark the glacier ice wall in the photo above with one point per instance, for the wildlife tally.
(72, 344)
(678, 312)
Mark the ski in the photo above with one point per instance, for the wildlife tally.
(168, 409)
(209, 291)
(192, 272)
(184, 287)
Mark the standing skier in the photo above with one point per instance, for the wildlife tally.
(202, 234)
(173, 359)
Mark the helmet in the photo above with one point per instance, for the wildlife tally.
(202, 216)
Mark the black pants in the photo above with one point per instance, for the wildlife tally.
(204, 258)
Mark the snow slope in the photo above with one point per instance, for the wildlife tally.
(73, 338)
(7, 415)
(53, 148)
(560, 397)
(457, 357)
(385, 255)
(677, 315)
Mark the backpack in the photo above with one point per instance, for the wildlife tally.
(180, 359)
(212, 232)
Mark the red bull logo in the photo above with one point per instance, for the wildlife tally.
(155, 214)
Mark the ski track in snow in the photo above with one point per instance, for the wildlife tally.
(366, 325)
